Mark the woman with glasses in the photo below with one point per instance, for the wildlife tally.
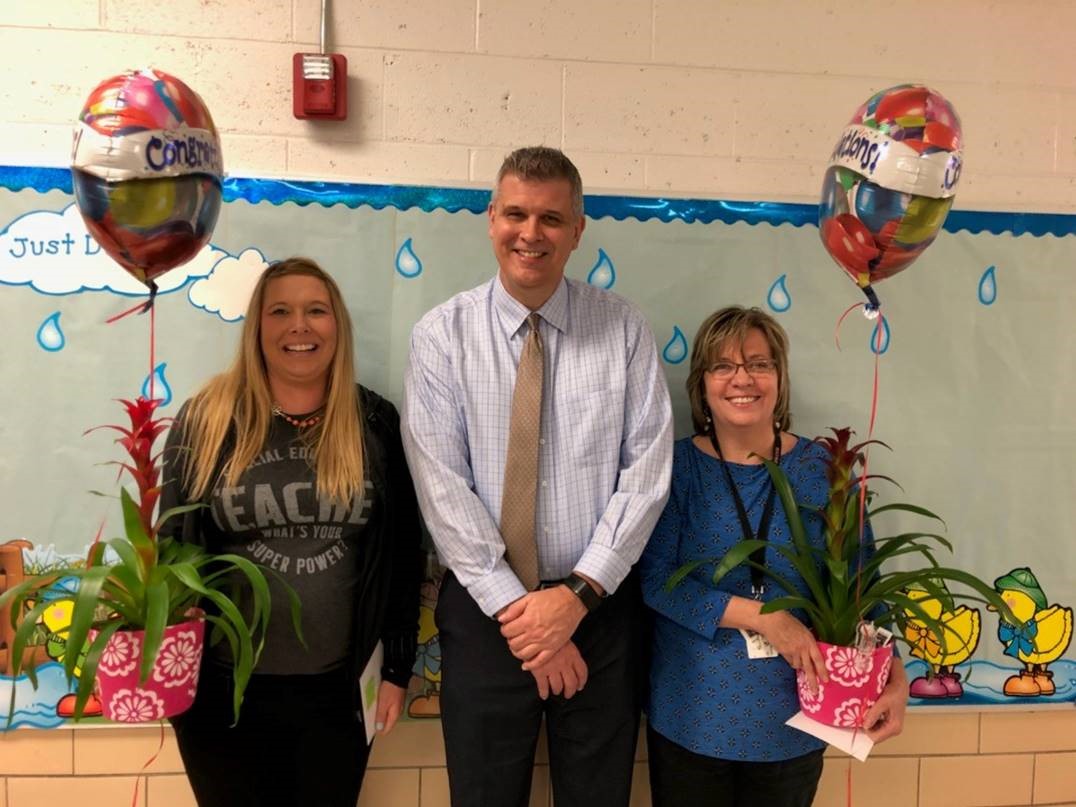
(723, 675)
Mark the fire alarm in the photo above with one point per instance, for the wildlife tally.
(319, 82)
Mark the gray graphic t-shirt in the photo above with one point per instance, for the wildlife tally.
(275, 517)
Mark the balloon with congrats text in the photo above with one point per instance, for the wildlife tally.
(146, 170)
(890, 182)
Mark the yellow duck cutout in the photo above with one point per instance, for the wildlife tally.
(1040, 635)
(960, 637)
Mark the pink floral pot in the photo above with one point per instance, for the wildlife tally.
(171, 684)
(856, 679)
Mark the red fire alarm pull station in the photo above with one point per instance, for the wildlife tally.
(319, 82)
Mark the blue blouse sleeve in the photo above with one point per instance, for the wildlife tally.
(695, 604)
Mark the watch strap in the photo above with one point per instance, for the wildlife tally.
(584, 591)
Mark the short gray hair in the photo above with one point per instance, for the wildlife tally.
(541, 164)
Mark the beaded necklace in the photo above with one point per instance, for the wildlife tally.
(296, 422)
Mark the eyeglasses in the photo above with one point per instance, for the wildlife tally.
(727, 369)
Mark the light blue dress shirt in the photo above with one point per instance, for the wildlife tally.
(606, 447)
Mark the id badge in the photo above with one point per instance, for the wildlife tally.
(757, 646)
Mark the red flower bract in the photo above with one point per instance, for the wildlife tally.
(138, 441)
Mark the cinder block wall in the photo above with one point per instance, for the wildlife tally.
(737, 99)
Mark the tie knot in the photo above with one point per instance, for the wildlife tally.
(533, 319)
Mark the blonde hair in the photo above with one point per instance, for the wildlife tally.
(727, 326)
(238, 402)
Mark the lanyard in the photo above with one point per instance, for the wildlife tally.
(758, 585)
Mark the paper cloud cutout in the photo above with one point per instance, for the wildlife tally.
(53, 254)
(227, 289)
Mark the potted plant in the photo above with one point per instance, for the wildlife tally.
(136, 623)
(847, 590)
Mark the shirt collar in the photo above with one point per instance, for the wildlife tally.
(514, 314)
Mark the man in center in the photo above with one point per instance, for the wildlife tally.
(538, 429)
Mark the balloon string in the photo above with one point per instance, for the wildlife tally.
(837, 330)
(150, 761)
(877, 345)
(152, 343)
(141, 308)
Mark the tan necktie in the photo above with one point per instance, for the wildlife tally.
(521, 464)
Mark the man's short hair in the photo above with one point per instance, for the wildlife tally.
(541, 164)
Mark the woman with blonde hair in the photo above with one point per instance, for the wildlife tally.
(301, 470)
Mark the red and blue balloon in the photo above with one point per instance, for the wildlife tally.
(146, 168)
(890, 183)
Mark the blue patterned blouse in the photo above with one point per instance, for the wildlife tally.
(705, 694)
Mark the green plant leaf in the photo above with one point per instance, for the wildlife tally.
(171, 512)
(96, 555)
(136, 533)
(88, 672)
(134, 573)
(260, 597)
(681, 574)
(736, 555)
(295, 606)
(20, 641)
(83, 613)
(791, 602)
(157, 611)
(788, 502)
(904, 508)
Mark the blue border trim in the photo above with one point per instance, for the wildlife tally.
(454, 200)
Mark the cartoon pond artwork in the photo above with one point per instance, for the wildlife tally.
(984, 306)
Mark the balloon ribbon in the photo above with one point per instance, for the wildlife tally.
(871, 310)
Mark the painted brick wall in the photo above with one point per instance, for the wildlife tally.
(731, 99)
(726, 98)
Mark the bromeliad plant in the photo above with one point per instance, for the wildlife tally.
(153, 582)
(844, 577)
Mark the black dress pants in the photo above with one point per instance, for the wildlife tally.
(298, 742)
(681, 778)
(491, 712)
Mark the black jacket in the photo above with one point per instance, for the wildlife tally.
(390, 587)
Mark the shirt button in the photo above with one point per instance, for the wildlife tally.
(545, 484)
(541, 441)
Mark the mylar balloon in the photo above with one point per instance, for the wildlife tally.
(890, 183)
(146, 165)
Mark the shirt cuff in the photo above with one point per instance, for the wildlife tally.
(497, 589)
(604, 565)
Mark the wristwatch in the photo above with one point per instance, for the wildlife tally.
(584, 591)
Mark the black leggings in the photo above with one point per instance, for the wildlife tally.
(682, 778)
(298, 742)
